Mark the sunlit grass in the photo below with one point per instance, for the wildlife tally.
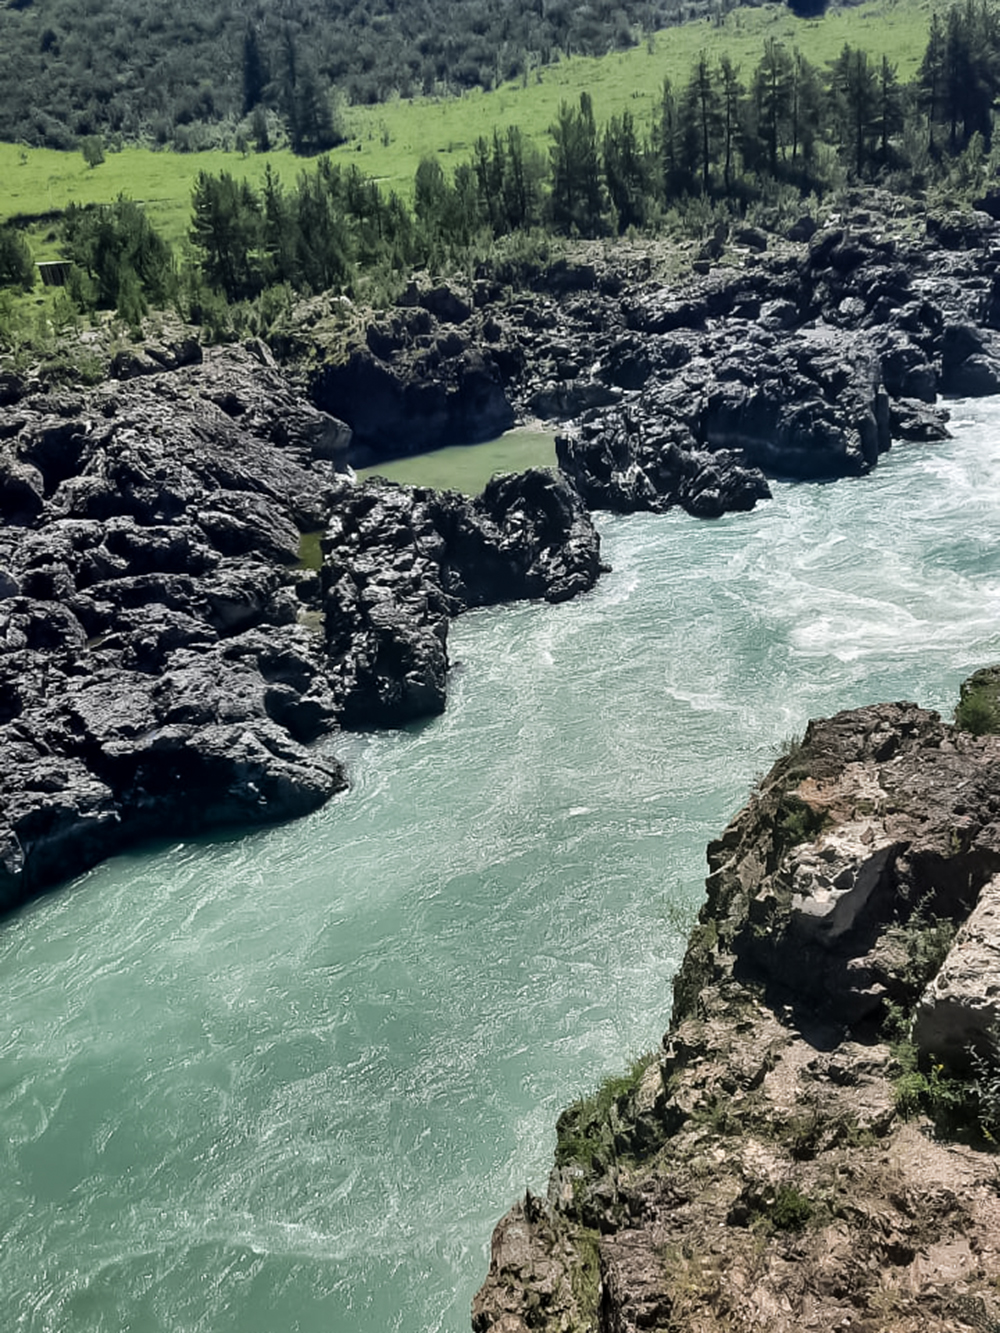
(388, 141)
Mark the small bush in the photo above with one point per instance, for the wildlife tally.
(17, 268)
(791, 1209)
(933, 1093)
(986, 1086)
(923, 941)
(92, 148)
(585, 1131)
(978, 709)
(797, 822)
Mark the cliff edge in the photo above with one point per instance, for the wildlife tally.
(813, 1146)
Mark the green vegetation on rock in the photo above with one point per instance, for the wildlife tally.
(978, 708)
(585, 1132)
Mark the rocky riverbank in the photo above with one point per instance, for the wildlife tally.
(803, 355)
(772, 1165)
(166, 662)
(167, 668)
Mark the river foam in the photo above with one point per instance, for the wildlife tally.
(289, 1079)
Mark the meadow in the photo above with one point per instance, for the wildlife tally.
(388, 141)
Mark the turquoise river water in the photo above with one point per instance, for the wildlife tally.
(286, 1082)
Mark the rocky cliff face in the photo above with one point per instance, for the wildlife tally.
(164, 666)
(759, 1172)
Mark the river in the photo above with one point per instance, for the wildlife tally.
(285, 1082)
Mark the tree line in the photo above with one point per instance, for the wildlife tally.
(723, 137)
(191, 75)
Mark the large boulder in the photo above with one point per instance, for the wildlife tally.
(959, 1013)
(405, 393)
(399, 561)
(970, 361)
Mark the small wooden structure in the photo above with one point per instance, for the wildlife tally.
(55, 273)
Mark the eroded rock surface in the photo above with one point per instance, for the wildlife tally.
(759, 1174)
(805, 359)
(166, 665)
(960, 1010)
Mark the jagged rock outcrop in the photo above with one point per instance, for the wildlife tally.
(805, 360)
(758, 1171)
(153, 678)
(419, 382)
(399, 562)
(959, 1013)
(163, 666)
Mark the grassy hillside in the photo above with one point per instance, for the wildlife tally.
(388, 141)
(187, 72)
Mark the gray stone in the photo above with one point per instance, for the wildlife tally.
(961, 1006)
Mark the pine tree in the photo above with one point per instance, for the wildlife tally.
(591, 191)
(957, 73)
(805, 109)
(980, 68)
(626, 172)
(889, 115)
(322, 242)
(255, 70)
(524, 168)
(226, 227)
(488, 164)
(669, 142)
(576, 202)
(16, 266)
(931, 78)
(430, 197)
(279, 239)
(123, 260)
(854, 101)
(731, 100)
(701, 120)
(772, 97)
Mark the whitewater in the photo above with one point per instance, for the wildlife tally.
(287, 1081)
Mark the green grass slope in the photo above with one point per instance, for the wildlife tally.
(388, 141)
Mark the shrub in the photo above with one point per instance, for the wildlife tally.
(978, 709)
(92, 148)
(932, 1092)
(791, 1209)
(121, 260)
(585, 1131)
(16, 266)
(797, 822)
(986, 1085)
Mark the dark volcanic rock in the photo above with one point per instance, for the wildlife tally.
(148, 529)
(619, 463)
(162, 664)
(802, 362)
(702, 431)
(970, 361)
(399, 562)
(809, 406)
(416, 385)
